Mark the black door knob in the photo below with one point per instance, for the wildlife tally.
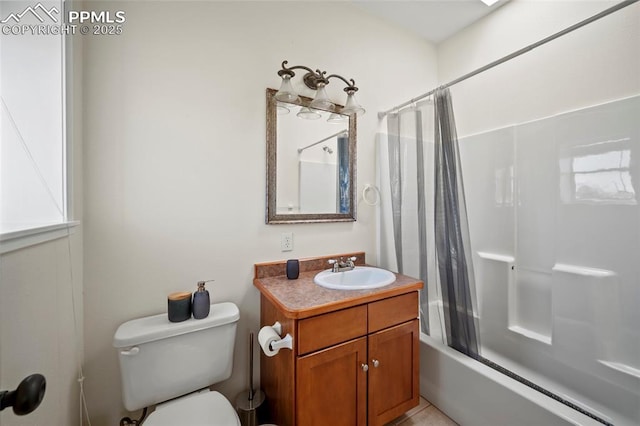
(27, 397)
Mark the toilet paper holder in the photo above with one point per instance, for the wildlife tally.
(284, 342)
(277, 327)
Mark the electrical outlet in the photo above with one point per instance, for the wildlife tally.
(286, 241)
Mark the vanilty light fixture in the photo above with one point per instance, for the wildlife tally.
(317, 80)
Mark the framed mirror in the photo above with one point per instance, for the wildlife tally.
(311, 163)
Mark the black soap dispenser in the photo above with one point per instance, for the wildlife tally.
(201, 301)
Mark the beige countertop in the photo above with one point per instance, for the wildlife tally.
(301, 298)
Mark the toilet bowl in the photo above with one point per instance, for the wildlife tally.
(163, 363)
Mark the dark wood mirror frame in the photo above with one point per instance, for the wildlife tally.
(272, 217)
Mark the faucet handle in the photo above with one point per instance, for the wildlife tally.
(353, 258)
(334, 264)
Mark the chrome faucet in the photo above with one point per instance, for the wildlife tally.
(342, 265)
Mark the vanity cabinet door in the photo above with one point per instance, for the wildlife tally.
(332, 386)
(393, 372)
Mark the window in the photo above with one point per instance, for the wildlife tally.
(33, 164)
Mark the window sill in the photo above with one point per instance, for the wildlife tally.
(17, 240)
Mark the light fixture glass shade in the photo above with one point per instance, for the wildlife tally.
(352, 106)
(337, 118)
(286, 92)
(308, 114)
(282, 110)
(321, 101)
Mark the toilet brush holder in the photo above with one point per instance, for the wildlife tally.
(248, 408)
(248, 402)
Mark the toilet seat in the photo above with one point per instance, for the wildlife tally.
(202, 409)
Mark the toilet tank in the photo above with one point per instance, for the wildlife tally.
(160, 360)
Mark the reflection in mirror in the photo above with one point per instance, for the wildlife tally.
(598, 172)
(317, 161)
(310, 163)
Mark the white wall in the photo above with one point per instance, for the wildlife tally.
(592, 65)
(175, 155)
(37, 326)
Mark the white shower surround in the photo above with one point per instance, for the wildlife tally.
(553, 254)
(473, 394)
(555, 238)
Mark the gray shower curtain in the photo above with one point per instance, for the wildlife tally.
(440, 226)
(453, 249)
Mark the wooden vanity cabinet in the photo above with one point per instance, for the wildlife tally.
(353, 366)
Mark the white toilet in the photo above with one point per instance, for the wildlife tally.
(161, 360)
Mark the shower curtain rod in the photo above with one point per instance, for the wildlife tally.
(526, 49)
(320, 141)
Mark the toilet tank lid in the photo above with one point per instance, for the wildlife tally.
(156, 327)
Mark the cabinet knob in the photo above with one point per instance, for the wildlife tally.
(376, 363)
(365, 367)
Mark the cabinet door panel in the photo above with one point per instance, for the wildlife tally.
(394, 382)
(332, 386)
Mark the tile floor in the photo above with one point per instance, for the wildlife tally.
(424, 414)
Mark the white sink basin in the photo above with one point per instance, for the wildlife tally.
(359, 278)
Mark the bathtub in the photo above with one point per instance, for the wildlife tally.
(473, 394)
